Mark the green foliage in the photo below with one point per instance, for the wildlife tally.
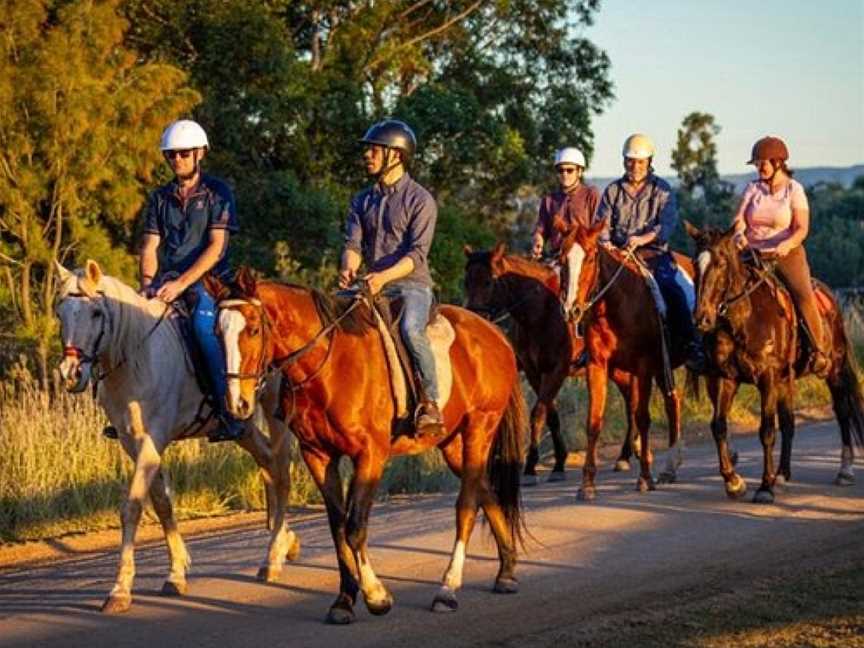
(78, 117)
(835, 246)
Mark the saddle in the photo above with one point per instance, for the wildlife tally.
(404, 378)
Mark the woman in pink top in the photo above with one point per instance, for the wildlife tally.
(774, 216)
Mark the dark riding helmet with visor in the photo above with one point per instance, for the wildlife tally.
(392, 134)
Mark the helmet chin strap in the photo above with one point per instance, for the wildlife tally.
(385, 167)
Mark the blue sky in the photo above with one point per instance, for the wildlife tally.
(793, 68)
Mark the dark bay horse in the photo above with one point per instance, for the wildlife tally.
(339, 404)
(751, 335)
(623, 337)
(496, 284)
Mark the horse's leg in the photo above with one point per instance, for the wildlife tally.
(843, 413)
(175, 585)
(147, 462)
(368, 467)
(767, 432)
(325, 471)
(675, 453)
(554, 422)
(538, 420)
(722, 391)
(284, 543)
(786, 417)
(597, 375)
(640, 391)
(622, 464)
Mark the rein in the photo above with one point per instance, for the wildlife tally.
(749, 289)
(282, 362)
(580, 311)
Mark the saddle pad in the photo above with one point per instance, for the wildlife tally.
(823, 301)
(441, 336)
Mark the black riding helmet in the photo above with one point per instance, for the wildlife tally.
(392, 133)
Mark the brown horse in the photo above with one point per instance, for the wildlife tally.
(623, 337)
(339, 404)
(751, 334)
(497, 284)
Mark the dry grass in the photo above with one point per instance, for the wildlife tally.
(59, 475)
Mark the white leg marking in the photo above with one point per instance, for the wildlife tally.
(453, 575)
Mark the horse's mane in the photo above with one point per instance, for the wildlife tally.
(132, 320)
(331, 307)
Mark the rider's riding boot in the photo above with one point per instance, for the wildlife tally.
(228, 429)
(695, 358)
(428, 420)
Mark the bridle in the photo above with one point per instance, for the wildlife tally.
(267, 366)
(98, 374)
(749, 287)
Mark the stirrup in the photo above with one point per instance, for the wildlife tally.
(426, 423)
(227, 430)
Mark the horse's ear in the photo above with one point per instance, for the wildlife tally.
(89, 283)
(468, 250)
(499, 251)
(62, 272)
(216, 287)
(246, 282)
(694, 232)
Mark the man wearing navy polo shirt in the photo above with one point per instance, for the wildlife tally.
(188, 224)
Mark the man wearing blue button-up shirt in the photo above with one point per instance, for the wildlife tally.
(640, 213)
(390, 228)
(187, 226)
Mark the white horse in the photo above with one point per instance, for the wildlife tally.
(148, 389)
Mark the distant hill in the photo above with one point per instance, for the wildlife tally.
(806, 176)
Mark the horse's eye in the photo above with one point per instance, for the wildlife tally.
(253, 331)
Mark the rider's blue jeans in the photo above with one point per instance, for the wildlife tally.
(418, 302)
(204, 316)
(679, 316)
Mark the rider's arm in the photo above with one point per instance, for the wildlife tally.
(538, 236)
(352, 255)
(348, 267)
(739, 221)
(667, 219)
(800, 225)
(208, 258)
(604, 215)
(148, 263)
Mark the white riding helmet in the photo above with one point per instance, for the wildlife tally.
(638, 147)
(570, 155)
(183, 134)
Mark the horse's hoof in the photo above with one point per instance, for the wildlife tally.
(529, 480)
(736, 488)
(267, 574)
(380, 607)
(645, 484)
(293, 551)
(340, 613)
(445, 600)
(667, 477)
(173, 588)
(844, 479)
(117, 604)
(763, 496)
(622, 466)
(557, 476)
(586, 493)
(506, 586)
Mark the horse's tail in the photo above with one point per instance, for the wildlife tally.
(505, 461)
(847, 395)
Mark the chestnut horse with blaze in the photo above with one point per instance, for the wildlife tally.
(339, 403)
(623, 337)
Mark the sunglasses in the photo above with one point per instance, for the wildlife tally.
(566, 170)
(183, 153)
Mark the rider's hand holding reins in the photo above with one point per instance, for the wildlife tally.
(170, 291)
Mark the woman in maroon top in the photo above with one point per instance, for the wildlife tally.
(573, 204)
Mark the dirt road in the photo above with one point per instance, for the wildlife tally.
(591, 565)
